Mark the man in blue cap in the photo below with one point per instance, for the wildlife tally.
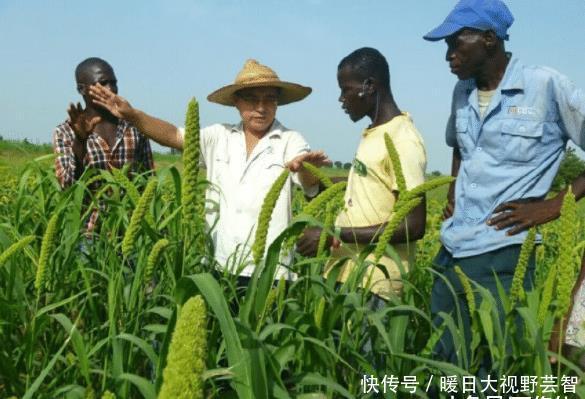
(509, 127)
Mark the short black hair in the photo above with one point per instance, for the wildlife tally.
(88, 63)
(368, 62)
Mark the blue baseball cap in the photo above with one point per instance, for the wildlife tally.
(477, 14)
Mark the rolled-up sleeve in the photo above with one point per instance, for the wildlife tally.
(295, 146)
(571, 106)
(207, 138)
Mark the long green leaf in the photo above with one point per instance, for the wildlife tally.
(320, 380)
(78, 344)
(238, 358)
(145, 387)
(41, 377)
(142, 344)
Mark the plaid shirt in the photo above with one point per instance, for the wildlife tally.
(130, 147)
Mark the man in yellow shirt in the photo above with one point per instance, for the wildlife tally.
(371, 193)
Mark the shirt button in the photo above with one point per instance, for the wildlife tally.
(468, 220)
(478, 148)
(522, 129)
(473, 185)
(238, 211)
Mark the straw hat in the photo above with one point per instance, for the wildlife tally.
(254, 74)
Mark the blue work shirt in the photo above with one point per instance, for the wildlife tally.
(513, 153)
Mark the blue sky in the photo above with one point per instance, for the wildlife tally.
(165, 52)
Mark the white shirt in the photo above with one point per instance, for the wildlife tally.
(239, 185)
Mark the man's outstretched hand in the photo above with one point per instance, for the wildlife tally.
(104, 97)
(317, 158)
(80, 122)
(521, 216)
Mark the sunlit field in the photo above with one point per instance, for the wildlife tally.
(138, 310)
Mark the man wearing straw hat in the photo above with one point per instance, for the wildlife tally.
(242, 160)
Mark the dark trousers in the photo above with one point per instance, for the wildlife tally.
(483, 269)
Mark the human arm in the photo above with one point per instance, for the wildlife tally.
(164, 133)
(70, 144)
(413, 161)
(521, 215)
(82, 125)
(296, 152)
(410, 229)
(316, 158)
(338, 179)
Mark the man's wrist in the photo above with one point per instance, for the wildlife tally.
(558, 201)
(131, 115)
(76, 135)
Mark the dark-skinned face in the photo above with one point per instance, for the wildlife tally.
(466, 53)
(350, 85)
(96, 74)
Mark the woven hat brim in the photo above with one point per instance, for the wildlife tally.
(289, 92)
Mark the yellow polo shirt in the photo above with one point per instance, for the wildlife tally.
(371, 194)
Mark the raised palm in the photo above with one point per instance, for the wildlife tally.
(104, 97)
(81, 123)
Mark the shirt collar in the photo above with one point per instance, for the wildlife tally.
(513, 78)
(122, 126)
(385, 126)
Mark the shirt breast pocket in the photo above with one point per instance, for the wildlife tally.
(520, 141)
(273, 168)
(220, 170)
(267, 172)
(464, 140)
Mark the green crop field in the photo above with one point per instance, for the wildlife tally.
(138, 310)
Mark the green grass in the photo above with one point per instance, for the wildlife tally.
(163, 160)
(14, 155)
(96, 323)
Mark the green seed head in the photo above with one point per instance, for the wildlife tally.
(318, 173)
(266, 215)
(566, 261)
(183, 375)
(153, 258)
(47, 248)
(517, 289)
(401, 210)
(467, 289)
(137, 216)
(17, 246)
(396, 165)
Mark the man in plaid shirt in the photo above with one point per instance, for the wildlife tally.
(93, 137)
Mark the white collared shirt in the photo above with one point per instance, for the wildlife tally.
(239, 185)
